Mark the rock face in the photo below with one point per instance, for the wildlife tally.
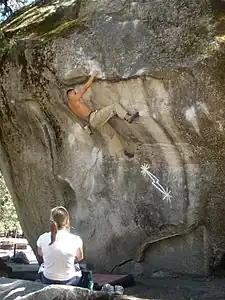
(162, 58)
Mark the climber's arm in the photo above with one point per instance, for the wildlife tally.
(89, 82)
(85, 87)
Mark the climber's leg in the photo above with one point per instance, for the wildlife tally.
(113, 140)
(110, 136)
(122, 114)
(102, 116)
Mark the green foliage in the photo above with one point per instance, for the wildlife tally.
(8, 217)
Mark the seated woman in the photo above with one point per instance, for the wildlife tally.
(59, 249)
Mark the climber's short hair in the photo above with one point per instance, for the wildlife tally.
(70, 90)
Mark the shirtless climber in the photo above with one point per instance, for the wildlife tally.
(98, 119)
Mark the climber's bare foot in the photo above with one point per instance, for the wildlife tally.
(128, 154)
(130, 118)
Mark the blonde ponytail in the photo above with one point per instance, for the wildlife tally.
(54, 230)
(59, 219)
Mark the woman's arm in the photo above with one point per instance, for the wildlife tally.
(79, 254)
(39, 245)
(39, 250)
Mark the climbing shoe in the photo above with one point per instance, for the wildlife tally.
(128, 154)
(130, 118)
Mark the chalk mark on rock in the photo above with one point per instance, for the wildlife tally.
(155, 182)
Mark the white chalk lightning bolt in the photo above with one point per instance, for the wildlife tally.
(155, 182)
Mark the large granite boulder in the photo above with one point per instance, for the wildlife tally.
(162, 58)
(28, 290)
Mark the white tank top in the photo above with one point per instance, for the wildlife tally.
(59, 257)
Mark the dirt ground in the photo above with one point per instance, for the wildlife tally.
(192, 288)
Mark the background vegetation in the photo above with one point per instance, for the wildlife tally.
(8, 217)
